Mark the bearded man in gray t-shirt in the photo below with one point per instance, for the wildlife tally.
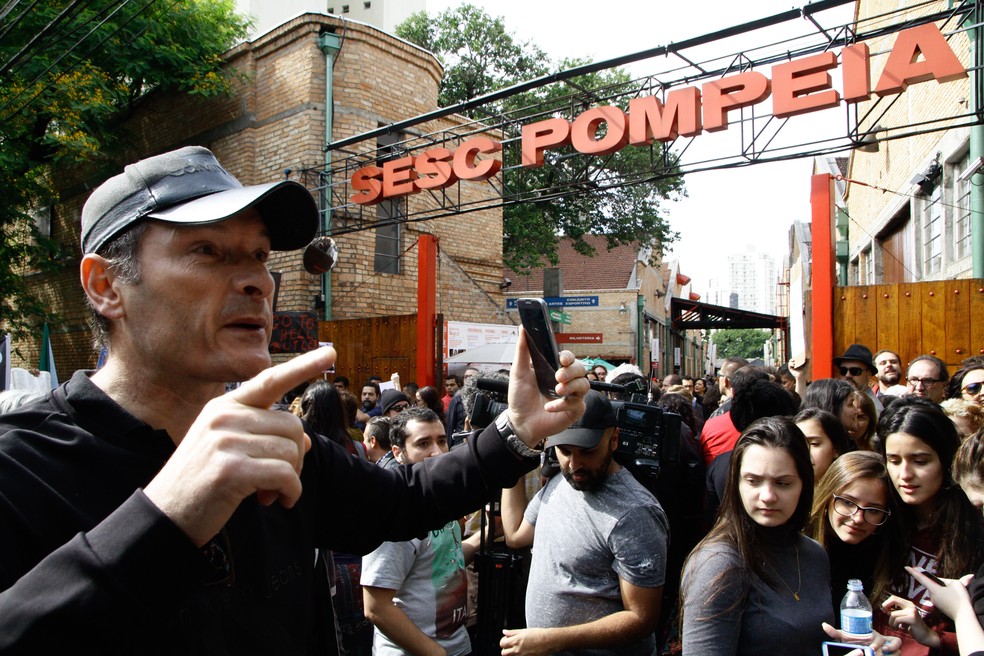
(599, 548)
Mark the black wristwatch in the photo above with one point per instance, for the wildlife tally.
(505, 428)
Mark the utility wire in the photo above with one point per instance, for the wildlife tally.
(40, 35)
(83, 57)
(59, 38)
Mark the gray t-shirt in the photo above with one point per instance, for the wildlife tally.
(429, 578)
(724, 616)
(584, 543)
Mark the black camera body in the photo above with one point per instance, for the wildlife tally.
(648, 437)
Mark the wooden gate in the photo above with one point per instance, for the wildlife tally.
(945, 319)
(378, 346)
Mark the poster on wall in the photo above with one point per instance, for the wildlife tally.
(462, 335)
(294, 332)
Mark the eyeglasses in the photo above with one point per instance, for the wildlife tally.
(854, 371)
(973, 388)
(847, 508)
(925, 382)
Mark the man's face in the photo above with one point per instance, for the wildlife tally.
(588, 469)
(470, 372)
(667, 381)
(923, 379)
(369, 396)
(689, 384)
(854, 372)
(397, 408)
(201, 308)
(889, 369)
(601, 373)
(451, 386)
(788, 382)
(425, 440)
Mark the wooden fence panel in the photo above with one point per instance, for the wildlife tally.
(976, 301)
(943, 318)
(866, 316)
(377, 346)
(957, 298)
(887, 317)
(910, 323)
(933, 317)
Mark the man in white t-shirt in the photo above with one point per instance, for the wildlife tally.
(415, 591)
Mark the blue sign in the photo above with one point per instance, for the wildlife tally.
(561, 301)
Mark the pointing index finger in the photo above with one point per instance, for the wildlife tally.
(268, 386)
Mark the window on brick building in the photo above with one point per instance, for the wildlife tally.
(932, 233)
(961, 212)
(389, 215)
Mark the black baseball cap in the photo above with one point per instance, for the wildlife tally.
(189, 186)
(390, 398)
(587, 431)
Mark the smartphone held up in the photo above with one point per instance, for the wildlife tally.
(535, 317)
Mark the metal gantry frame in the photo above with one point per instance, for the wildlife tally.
(762, 137)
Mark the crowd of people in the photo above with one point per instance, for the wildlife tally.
(148, 509)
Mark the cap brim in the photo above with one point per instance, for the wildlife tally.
(584, 438)
(287, 208)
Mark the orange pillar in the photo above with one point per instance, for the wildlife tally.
(426, 309)
(822, 274)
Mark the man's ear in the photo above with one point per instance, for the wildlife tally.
(97, 281)
(397, 453)
(614, 442)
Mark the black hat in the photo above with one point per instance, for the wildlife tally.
(390, 398)
(859, 353)
(587, 431)
(190, 186)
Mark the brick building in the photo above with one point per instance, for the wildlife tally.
(921, 232)
(618, 291)
(275, 122)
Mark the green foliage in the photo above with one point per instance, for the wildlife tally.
(478, 54)
(69, 75)
(568, 196)
(740, 342)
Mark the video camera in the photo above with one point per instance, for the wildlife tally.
(648, 437)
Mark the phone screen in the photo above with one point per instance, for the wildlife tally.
(535, 316)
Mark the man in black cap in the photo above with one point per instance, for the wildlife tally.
(142, 510)
(857, 368)
(392, 402)
(599, 556)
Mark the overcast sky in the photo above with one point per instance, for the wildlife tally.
(726, 210)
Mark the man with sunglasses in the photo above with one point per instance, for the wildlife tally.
(857, 367)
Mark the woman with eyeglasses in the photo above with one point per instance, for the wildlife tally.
(851, 520)
(941, 530)
(968, 384)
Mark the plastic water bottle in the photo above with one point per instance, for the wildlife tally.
(855, 611)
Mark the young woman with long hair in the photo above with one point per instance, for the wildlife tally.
(942, 531)
(851, 519)
(825, 436)
(756, 584)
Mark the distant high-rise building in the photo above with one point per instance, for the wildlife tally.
(383, 14)
(753, 277)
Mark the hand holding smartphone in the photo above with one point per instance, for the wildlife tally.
(535, 317)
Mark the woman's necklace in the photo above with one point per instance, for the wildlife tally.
(799, 575)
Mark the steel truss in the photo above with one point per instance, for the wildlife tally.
(759, 136)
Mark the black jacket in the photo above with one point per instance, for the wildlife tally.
(89, 564)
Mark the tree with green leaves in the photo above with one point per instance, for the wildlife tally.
(616, 196)
(740, 342)
(70, 74)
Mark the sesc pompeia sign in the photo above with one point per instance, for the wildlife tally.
(797, 87)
